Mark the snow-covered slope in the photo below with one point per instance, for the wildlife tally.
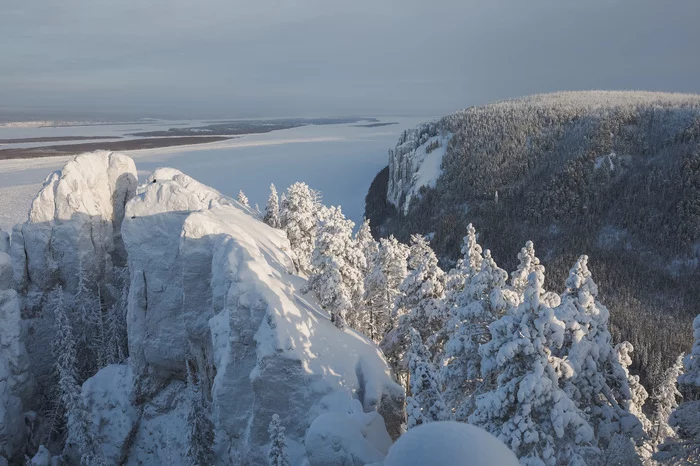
(212, 285)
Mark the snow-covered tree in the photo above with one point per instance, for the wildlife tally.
(467, 266)
(425, 403)
(526, 408)
(666, 398)
(599, 383)
(420, 304)
(80, 442)
(692, 360)
(382, 286)
(366, 243)
(200, 436)
(272, 210)
(243, 199)
(483, 300)
(631, 396)
(278, 443)
(527, 263)
(299, 219)
(337, 262)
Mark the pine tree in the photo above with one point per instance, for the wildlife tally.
(666, 398)
(243, 199)
(484, 300)
(526, 408)
(278, 443)
(382, 286)
(300, 217)
(272, 210)
(338, 263)
(596, 365)
(425, 403)
(200, 438)
(366, 243)
(420, 305)
(692, 360)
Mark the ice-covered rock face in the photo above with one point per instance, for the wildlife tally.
(212, 284)
(74, 222)
(16, 383)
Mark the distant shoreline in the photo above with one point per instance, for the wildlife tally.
(54, 139)
(129, 144)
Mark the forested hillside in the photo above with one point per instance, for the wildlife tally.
(614, 175)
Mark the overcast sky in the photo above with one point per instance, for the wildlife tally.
(213, 58)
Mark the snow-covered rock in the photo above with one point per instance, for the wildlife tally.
(74, 223)
(414, 163)
(16, 383)
(212, 284)
(449, 444)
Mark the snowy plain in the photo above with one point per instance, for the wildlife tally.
(339, 160)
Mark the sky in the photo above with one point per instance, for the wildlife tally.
(255, 58)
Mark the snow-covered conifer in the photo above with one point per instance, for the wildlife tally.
(278, 443)
(425, 403)
(528, 262)
(243, 199)
(272, 210)
(200, 437)
(484, 300)
(666, 398)
(299, 218)
(338, 263)
(692, 360)
(420, 305)
(382, 286)
(366, 243)
(526, 407)
(631, 396)
(467, 266)
(596, 365)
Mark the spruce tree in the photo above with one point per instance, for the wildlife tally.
(299, 218)
(666, 398)
(692, 361)
(526, 408)
(425, 403)
(382, 286)
(272, 210)
(338, 263)
(278, 443)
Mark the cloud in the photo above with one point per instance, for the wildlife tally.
(284, 57)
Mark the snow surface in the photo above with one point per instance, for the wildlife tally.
(339, 160)
(449, 444)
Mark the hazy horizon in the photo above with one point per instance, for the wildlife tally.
(223, 59)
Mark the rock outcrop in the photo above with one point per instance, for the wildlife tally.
(16, 384)
(213, 286)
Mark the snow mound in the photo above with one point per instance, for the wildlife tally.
(449, 444)
(212, 284)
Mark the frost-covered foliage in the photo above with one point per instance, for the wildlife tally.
(243, 199)
(425, 403)
(483, 300)
(299, 217)
(200, 435)
(666, 398)
(600, 382)
(692, 360)
(614, 174)
(278, 444)
(527, 409)
(272, 210)
(382, 286)
(338, 263)
(366, 243)
(420, 305)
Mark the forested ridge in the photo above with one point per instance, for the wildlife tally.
(614, 175)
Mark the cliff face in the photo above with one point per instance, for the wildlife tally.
(615, 175)
(212, 288)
